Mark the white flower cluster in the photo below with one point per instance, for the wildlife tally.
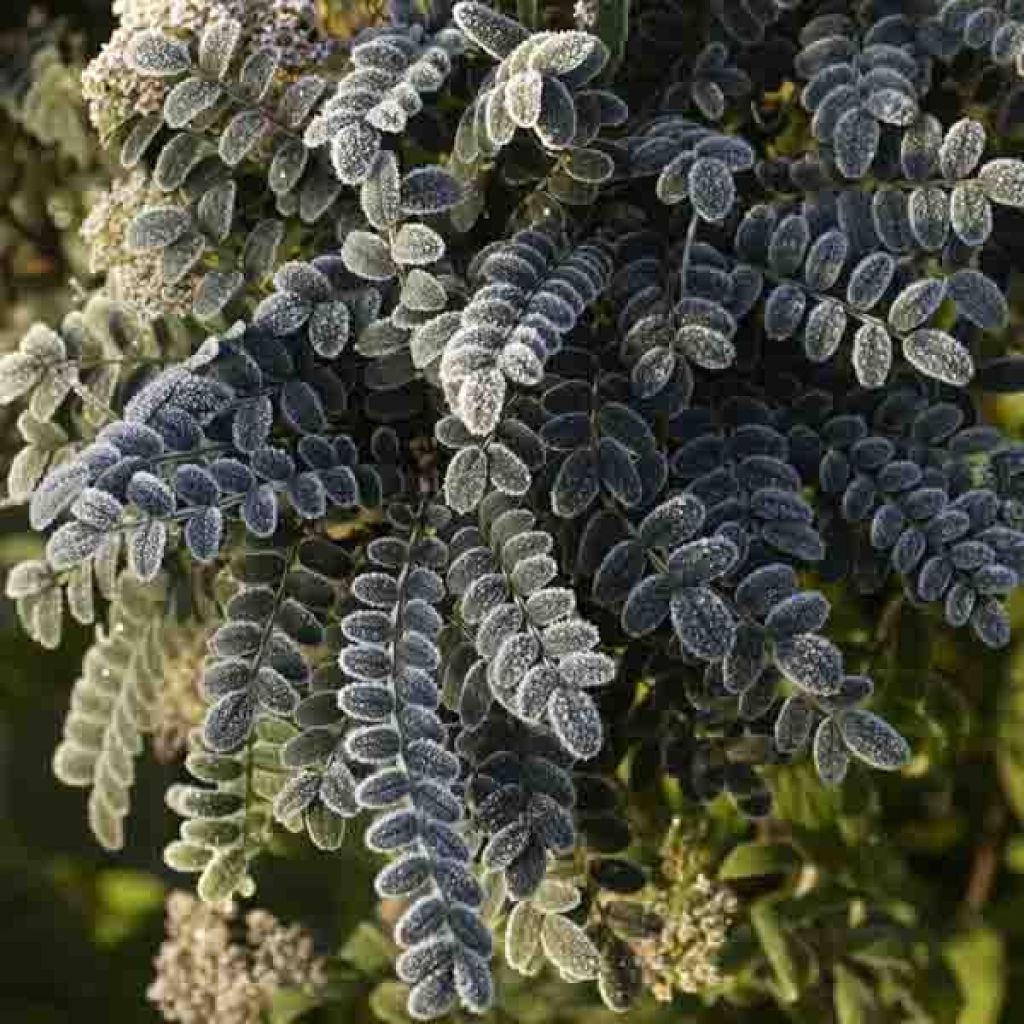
(115, 92)
(133, 277)
(205, 974)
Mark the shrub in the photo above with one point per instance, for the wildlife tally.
(507, 406)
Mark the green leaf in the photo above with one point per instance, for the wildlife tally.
(290, 1004)
(368, 949)
(613, 30)
(751, 860)
(978, 959)
(777, 948)
(387, 1002)
(853, 999)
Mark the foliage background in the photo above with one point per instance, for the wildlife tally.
(80, 928)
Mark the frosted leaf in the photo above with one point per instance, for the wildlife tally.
(806, 612)
(919, 148)
(481, 398)
(939, 355)
(672, 185)
(559, 53)
(532, 573)
(428, 340)
(556, 124)
(367, 255)
(156, 227)
(499, 126)
(811, 662)
(793, 725)
(19, 373)
(764, 588)
(961, 149)
(416, 245)
(831, 760)
(702, 560)
(329, 329)
(703, 623)
(522, 936)
(241, 136)
(856, 141)
(576, 486)
(916, 304)
(177, 159)
(825, 260)
(870, 280)
(575, 721)
(138, 139)
(652, 372)
(783, 311)
(57, 491)
(672, 522)
(619, 571)
(257, 74)
(473, 981)
(181, 257)
(218, 45)
(97, 508)
(823, 330)
(971, 213)
(423, 292)
(188, 99)
(521, 364)
(523, 98)
(788, 244)
(516, 656)
(570, 636)
(590, 166)
(587, 669)
(287, 166)
(979, 299)
(429, 190)
(990, 623)
(216, 209)
(647, 606)
(229, 722)
(891, 106)
(152, 53)
(260, 249)
(1003, 181)
(353, 151)
(466, 479)
(379, 193)
(146, 546)
(705, 346)
(71, 544)
(842, 98)
(388, 116)
(711, 188)
(872, 355)
(509, 474)
(569, 948)
(873, 740)
(491, 31)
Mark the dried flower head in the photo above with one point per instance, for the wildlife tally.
(209, 968)
(114, 91)
(132, 277)
(684, 956)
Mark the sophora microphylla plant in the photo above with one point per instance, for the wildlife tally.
(480, 374)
